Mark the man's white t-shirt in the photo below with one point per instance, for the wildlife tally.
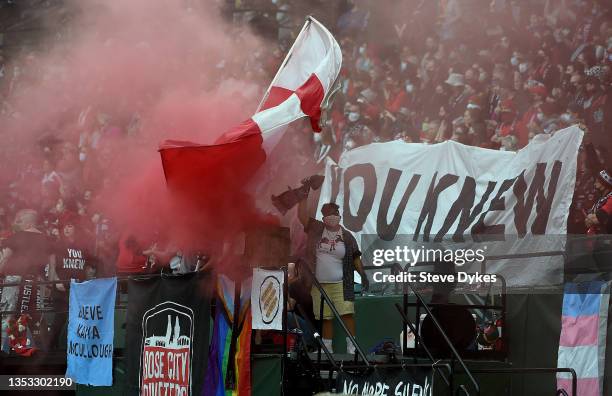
(330, 253)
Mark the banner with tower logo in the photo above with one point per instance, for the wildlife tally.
(168, 334)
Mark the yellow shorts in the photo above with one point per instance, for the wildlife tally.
(336, 294)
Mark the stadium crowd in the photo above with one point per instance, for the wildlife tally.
(419, 71)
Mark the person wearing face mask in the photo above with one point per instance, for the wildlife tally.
(529, 118)
(394, 96)
(545, 71)
(507, 122)
(355, 133)
(576, 88)
(363, 62)
(332, 255)
(599, 219)
(595, 105)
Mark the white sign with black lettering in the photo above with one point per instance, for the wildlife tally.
(452, 191)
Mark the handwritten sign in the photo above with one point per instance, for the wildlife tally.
(91, 331)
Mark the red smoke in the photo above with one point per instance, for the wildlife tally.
(181, 70)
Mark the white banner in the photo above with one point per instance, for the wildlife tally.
(450, 191)
(267, 299)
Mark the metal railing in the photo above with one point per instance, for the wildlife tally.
(45, 308)
(427, 351)
(455, 354)
(595, 244)
(395, 270)
(501, 308)
(320, 347)
(535, 370)
(450, 369)
(448, 380)
(326, 300)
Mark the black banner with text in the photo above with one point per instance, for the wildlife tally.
(168, 335)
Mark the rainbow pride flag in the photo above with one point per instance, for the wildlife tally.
(229, 360)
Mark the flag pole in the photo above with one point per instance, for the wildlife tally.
(265, 97)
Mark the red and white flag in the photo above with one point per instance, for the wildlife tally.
(213, 176)
(300, 85)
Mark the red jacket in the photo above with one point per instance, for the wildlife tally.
(603, 210)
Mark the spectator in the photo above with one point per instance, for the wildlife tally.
(132, 258)
(460, 93)
(24, 257)
(71, 260)
(140, 253)
(474, 122)
(332, 255)
(356, 132)
(487, 76)
(599, 218)
(298, 295)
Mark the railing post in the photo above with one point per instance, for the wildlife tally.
(455, 354)
(405, 330)
(318, 337)
(434, 365)
(335, 313)
(452, 375)
(537, 370)
(320, 328)
(417, 342)
(284, 360)
(504, 339)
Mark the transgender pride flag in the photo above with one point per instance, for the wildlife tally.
(582, 345)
